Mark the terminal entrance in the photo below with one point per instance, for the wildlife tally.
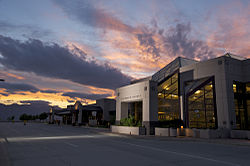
(135, 110)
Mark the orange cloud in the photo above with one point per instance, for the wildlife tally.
(53, 98)
(15, 76)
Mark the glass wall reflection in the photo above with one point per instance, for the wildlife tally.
(168, 99)
(201, 110)
(242, 105)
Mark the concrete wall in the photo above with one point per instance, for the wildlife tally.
(128, 130)
(143, 91)
(214, 68)
(225, 70)
(107, 105)
(146, 92)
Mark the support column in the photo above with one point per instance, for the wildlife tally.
(80, 117)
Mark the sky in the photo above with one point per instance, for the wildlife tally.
(60, 51)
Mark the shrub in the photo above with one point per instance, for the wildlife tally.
(130, 121)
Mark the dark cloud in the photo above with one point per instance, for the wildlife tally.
(52, 60)
(49, 91)
(28, 31)
(15, 87)
(178, 42)
(86, 96)
(37, 102)
(71, 101)
(148, 46)
(28, 107)
(88, 14)
(172, 42)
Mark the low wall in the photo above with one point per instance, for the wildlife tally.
(203, 133)
(172, 132)
(240, 134)
(128, 130)
(209, 133)
(189, 132)
(92, 122)
(181, 132)
(162, 131)
(196, 133)
(169, 132)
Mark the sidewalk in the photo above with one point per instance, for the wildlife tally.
(227, 141)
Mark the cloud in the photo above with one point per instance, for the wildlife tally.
(150, 42)
(177, 41)
(232, 31)
(90, 15)
(85, 96)
(52, 60)
(29, 31)
(28, 107)
(49, 91)
(15, 87)
(37, 102)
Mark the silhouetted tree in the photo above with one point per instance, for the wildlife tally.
(24, 117)
(43, 116)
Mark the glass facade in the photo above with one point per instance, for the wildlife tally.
(168, 99)
(242, 105)
(201, 107)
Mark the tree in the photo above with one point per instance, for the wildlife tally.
(43, 116)
(24, 117)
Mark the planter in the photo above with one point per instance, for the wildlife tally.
(196, 133)
(189, 132)
(172, 132)
(239, 134)
(128, 130)
(180, 132)
(209, 133)
(162, 131)
(92, 122)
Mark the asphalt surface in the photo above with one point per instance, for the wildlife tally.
(43, 145)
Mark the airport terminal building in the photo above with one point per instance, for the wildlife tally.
(209, 94)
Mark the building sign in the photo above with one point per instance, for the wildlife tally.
(131, 97)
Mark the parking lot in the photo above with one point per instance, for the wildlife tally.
(43, 144)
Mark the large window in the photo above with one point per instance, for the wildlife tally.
(168, 99)
(201, 107)
(242, 104)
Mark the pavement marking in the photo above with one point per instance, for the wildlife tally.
(71, 144)
(179, 153)
(2, 140)
(23, 139)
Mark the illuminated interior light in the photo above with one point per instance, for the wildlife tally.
(198, 91)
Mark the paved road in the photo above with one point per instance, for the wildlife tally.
(45, 145)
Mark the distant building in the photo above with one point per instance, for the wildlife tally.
(209, 94)
(100, 113)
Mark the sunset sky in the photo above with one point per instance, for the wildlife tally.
(60, 51)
